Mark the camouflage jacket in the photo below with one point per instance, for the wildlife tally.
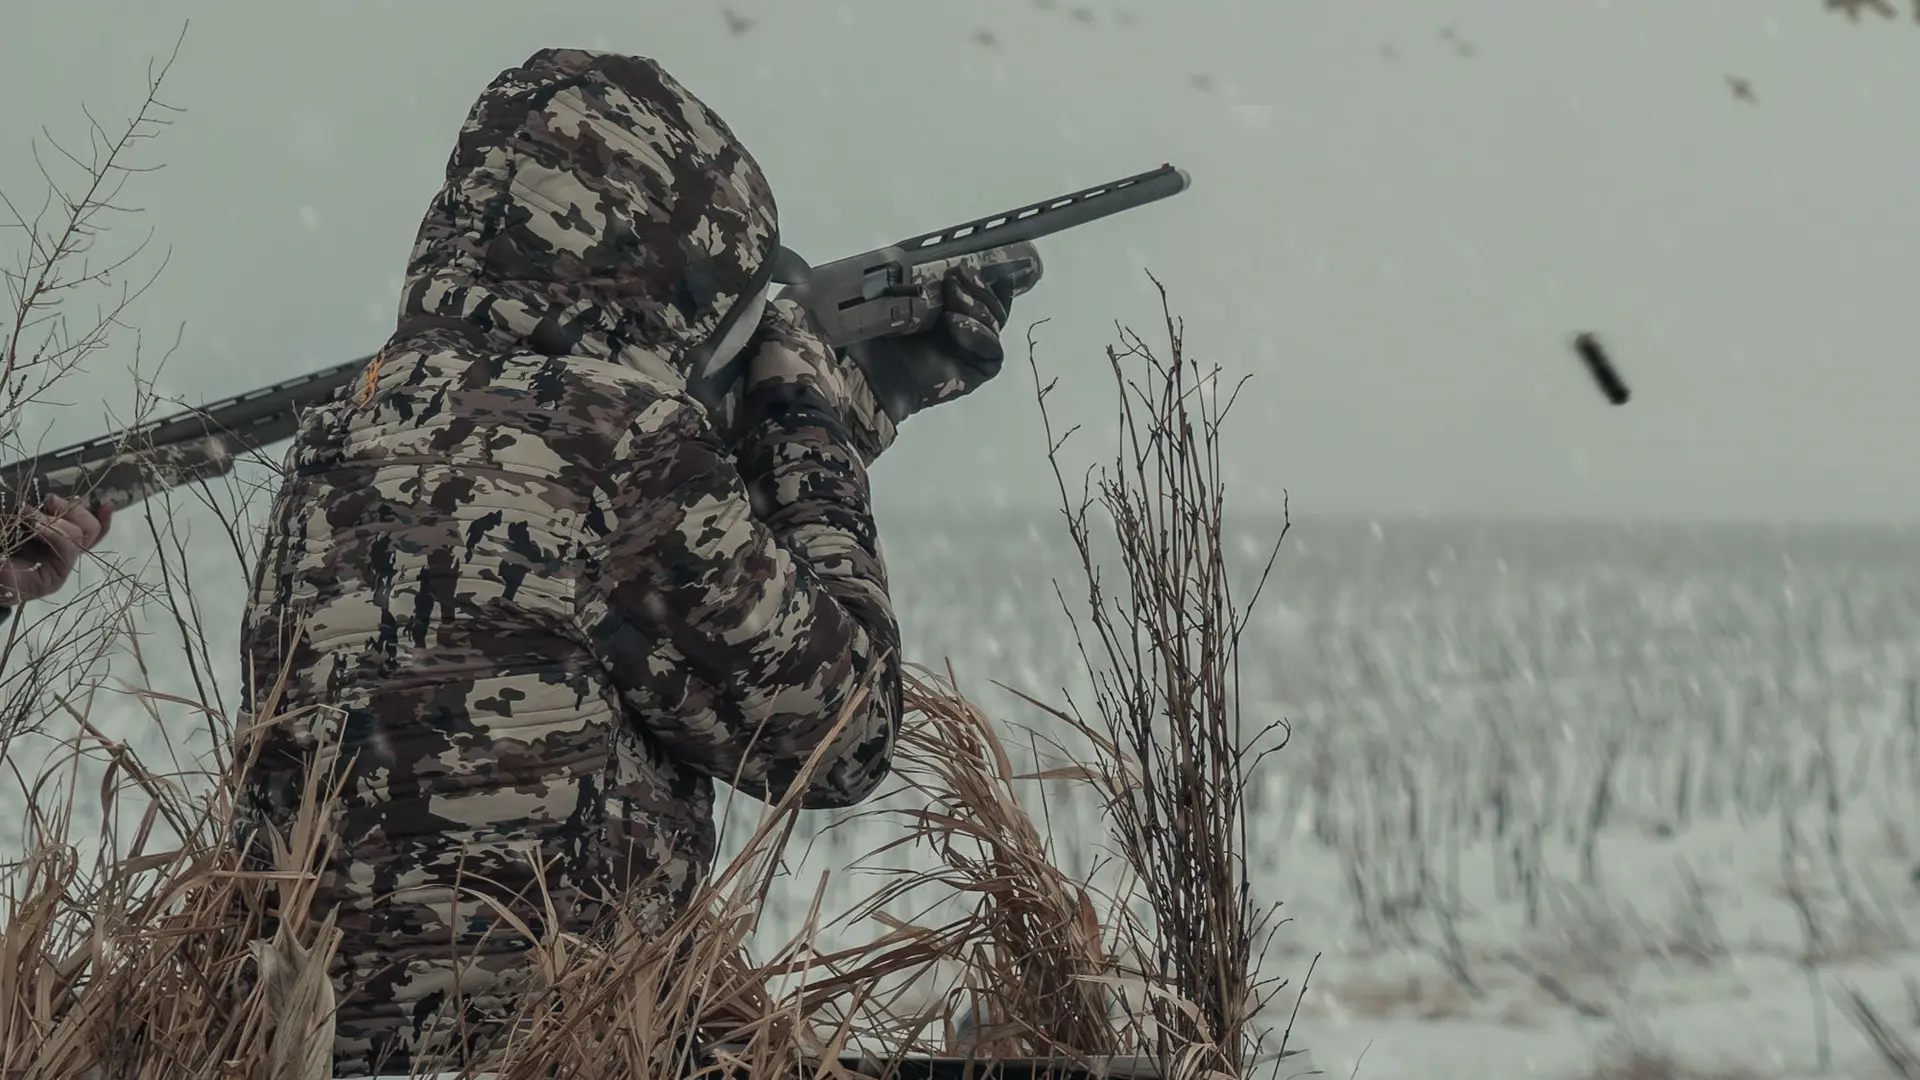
(521, 581)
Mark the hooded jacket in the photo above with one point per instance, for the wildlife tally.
(527, 600)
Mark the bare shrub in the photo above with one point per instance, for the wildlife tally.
(58, 267)
(1167, 685)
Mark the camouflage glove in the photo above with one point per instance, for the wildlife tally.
(789, 365)
(952, 359)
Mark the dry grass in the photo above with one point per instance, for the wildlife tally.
(1650, 1065)
(1033, 949)
(149, 946)
(173, 937)
(1409, 996)
(1900, 1057)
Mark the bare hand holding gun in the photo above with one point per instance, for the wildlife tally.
(39, 563)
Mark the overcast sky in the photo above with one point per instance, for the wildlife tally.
(1395, 239)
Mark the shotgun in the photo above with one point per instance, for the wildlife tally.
(890, 290)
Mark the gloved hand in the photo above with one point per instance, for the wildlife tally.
(951, 359)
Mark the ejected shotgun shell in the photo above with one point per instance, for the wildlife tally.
(1602, 368)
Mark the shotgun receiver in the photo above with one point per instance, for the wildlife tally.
(891, 290)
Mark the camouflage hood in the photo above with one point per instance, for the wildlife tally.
(595, 207)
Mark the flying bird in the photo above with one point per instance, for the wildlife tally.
(1459, 44)
(1742, 89)
(736, 22)
(1852, 8)
(1601, 368)
(985, 38)
(1084, 15)
(1201, 82)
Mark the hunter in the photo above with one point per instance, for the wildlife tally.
(536, 594)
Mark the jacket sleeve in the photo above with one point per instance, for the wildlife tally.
(738, 597)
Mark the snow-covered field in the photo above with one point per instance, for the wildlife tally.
(1553, 792)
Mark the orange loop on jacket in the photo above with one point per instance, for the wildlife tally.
(371, 380)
